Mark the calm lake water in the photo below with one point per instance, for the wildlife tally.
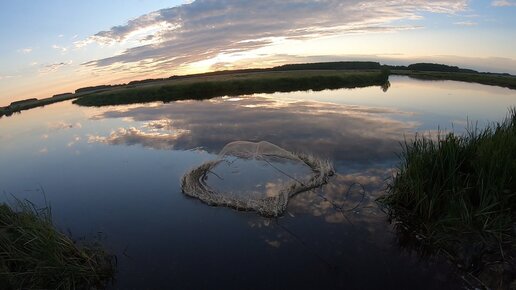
(115, 172)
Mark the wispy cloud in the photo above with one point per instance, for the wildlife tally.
(53, 67)
(503, 3)
(204, 29)
(60, 48)
(5, 77)
(60, 125)
(466, 23)
(25, 50)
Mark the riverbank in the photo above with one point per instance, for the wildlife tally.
(285, 78)
(207, 87)
(34, 255)
(456, 195)
(23, 105)
(500, 80)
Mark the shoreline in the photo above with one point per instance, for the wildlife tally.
(286, 78)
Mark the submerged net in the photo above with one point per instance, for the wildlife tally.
(253, 176)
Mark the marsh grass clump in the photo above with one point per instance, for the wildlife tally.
(457, 194)
(34, 255)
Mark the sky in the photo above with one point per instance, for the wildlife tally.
(57, 46)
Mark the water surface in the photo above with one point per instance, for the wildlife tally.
(115, 171)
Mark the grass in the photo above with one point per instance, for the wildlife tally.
(34, 255)
(9, 110)
(209, 87)
(457, 194)
(501, 80)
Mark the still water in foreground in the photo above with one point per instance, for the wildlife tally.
(115, 172)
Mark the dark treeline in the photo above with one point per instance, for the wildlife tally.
(27, 104)
(209, 89)
(341, 65)
(61, 95)
(16, 103)
(338, 65)
(208, 74)
(430, 71)
(96, 88)
(436, 67)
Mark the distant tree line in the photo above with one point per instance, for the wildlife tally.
(423, 66)
(96, 88)
(330, 66)
(339, 65)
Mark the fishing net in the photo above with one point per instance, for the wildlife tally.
(257, 177)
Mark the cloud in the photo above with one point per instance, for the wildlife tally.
(74, 141)
(340, 132)
(466, 23)
(5, 77)
(25, 50)
(503, 3)
(61, 125)
(60, 48)
(53, 67)
(133, 136)
(348, 198)
(204, 29)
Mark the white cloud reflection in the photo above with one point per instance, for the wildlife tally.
(342, 132)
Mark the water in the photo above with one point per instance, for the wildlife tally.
(116, 171)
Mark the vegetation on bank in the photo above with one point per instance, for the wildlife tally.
(290, 77)
(34, 255)
(500, 80)
(255, 83)
(337, 65)
(435, 67)
(28, 104)
(457, 195)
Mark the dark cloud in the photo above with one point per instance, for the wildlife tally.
(205, 28)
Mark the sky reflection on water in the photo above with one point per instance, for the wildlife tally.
(342, 133)
(116, 170)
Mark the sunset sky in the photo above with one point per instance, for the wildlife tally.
(56, 46)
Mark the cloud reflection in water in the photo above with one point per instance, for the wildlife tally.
(345, 134)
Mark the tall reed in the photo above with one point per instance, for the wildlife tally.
(34, 255)
(458, 192)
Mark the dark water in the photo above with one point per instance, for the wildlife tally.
(116, 171)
